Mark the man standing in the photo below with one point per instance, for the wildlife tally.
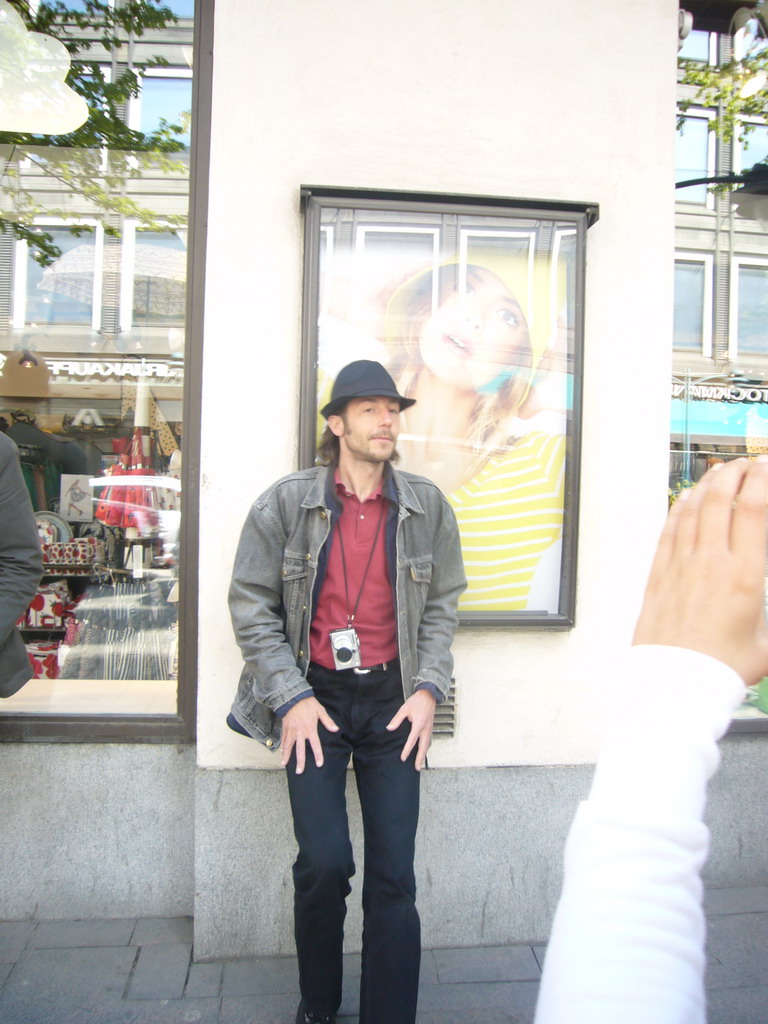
(343, 600)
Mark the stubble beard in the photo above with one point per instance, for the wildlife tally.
(367, 454)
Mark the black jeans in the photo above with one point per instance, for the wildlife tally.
(361, 705)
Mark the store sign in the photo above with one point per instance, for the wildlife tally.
(86, 369)
(721, 392)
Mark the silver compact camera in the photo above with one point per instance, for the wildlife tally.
(345, 647)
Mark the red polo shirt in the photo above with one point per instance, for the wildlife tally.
(360, 527)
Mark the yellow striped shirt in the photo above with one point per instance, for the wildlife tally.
(508, 516)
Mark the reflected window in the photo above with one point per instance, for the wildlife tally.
(696, 46)
(181, 8)
(753, 149)
(166, 99)
(694, 157)
(750, 307)
(692, 316)
(62, 293)
(159, 278)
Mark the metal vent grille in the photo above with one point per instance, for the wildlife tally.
(6, 277)
(722, 287)
(445, 715)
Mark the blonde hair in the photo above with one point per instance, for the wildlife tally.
(408, 309)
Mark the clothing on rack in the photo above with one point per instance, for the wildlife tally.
(44, 457)
(125, 629)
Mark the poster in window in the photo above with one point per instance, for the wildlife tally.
(475, 307)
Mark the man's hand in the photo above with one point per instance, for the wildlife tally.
(706, 589)
(419, 709)
(300, 728)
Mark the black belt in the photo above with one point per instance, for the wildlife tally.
(381, 667)
(375, 668)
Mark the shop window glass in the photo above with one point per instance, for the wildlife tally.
(719, 390)
(92, 336)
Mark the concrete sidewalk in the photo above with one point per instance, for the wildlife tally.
(142, 971)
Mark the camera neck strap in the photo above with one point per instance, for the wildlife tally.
(351, 615)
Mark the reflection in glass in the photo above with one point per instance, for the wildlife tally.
(753, 310)
(63, 293)
(689, 305)
(92, 327)
(695, 46)
(166, 99)
(159, 278)
(754, 148)
(692, 157)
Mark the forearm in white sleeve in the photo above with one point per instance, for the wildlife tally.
(627, 941)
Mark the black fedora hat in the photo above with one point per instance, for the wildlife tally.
(362, 379)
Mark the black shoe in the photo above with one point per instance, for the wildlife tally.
(305, 1016)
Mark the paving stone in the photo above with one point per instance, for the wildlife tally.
(14, 936)
(428, 974)
(50, 1014)
(540, 953)
(204, 981)
(511, 1016)
(161, 972)
(352, 963)
(490, 963)
(269, 1008)
(61, 980)
(738, 1005)
(257, 975)
(350, 996)
(737, 947)
(745, 900)
(477, 996)
(74, 934)
(162, 929)
(166, 1011)
(140, 971)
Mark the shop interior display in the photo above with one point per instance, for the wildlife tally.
(106, 501)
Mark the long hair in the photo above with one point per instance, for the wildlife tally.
(327, 448)
(405, 316)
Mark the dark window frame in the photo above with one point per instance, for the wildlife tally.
(581, 216)
(177, 728)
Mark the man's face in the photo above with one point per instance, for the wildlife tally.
(367, 429)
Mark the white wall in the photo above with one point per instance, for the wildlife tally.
(564, 101)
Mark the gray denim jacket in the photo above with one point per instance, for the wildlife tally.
(279, 567)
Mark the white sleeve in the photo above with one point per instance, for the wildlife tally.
(627, 941)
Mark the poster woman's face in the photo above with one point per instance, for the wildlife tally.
(473, 337)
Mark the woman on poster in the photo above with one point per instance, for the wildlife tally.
(461, 345)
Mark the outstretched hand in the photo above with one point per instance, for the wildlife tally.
(706, 589)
